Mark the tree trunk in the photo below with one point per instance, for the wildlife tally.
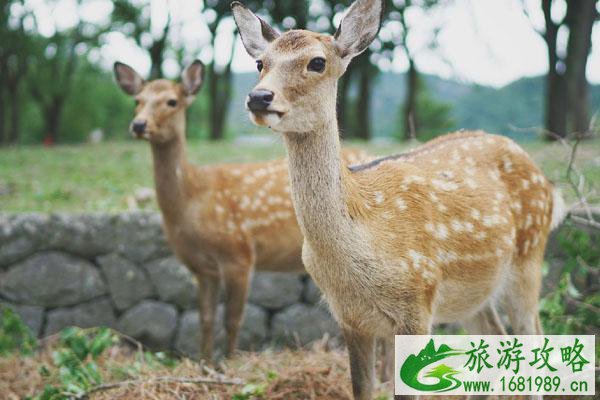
(363, 103)
(410, 104)
(580, 18)
(556, 106)
(215, 116)
(52, 117)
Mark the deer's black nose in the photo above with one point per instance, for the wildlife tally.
(259, 100)
(138, 126)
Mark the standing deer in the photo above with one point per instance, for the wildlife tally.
(440, 234)
(221, 221)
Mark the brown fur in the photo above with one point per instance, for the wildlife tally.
(441, 234)
(221, 221)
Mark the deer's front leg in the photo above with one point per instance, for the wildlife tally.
(361, 350)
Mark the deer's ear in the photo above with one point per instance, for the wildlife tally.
(256, 33)
(358, 28)
(129, 80)
(192, 78)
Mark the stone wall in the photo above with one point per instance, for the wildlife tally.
(116, 270)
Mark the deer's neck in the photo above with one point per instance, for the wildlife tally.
(320, 186)
(171, 176)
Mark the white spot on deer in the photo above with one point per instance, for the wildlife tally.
(491, 220)
(413, 178)
(219, 209)
(440, 231)
(260, 173)
(435, 161)
(400, 204)
(248, 180)
(470, 162)
(526, 246)
(455, 156)
(235, 172)
(475, 214)
(444, 185)
(507, 164)
(494, 175)
(417, 258)
(286, 188)
(469, 227)
(525, 184)
(528, 221)
(456, 225)
(516, 206)
(471, 183)
(470, 171)
(378, 197)
(446, 257)
(480, 235)
(245, 202)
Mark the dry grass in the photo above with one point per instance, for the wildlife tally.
(283, 375)
(315, 374)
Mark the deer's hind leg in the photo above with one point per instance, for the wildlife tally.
(485, 322)
(521, 297)
(236, 276)
(208, 293)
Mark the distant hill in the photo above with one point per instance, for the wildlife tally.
(516, 105)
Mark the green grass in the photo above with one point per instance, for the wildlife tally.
(100, 177)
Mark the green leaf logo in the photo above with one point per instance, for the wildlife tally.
(412, 366)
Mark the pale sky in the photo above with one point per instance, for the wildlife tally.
(489, 42)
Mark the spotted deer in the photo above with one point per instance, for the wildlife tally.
(443, 233)
(221, 221)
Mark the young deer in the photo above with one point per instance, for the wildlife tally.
(440, 234)
(221, 221)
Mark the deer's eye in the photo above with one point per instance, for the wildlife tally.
(259, 65)
(172, 103)
(317, 64)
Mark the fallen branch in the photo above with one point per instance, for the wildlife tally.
(160, 379)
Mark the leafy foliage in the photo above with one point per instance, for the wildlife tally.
(574, 306)
(75, 360)
(14, 334)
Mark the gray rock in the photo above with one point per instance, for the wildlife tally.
(174, 283)
(151, 322)
(252, 336)
(127, 283)
(86, 235)
(253, 332)
(275, 290)
(19, 235)
(302, 324)
(32, 316)
(139, 236)
(52, 279)
(312, 294)
(187, 341)
(94, 313)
